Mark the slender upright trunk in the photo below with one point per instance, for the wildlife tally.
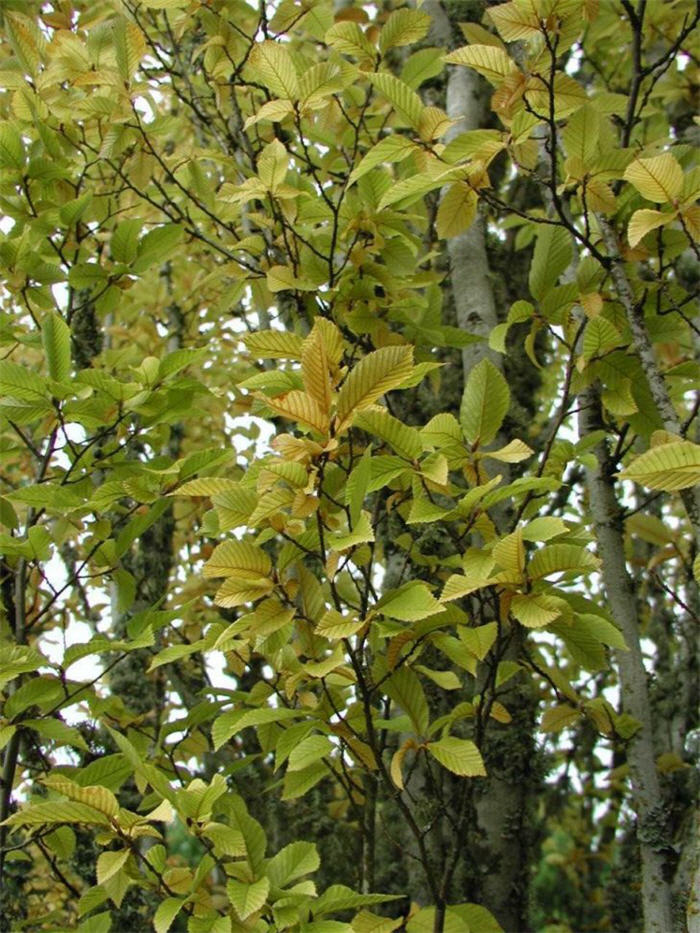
(619, 589)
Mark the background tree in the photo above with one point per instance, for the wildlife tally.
(394, 337)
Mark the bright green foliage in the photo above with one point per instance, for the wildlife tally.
(224, 318)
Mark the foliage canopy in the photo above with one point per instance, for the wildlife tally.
(349, 465)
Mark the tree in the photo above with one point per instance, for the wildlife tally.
(382, 318)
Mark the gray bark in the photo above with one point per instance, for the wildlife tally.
(619, 589)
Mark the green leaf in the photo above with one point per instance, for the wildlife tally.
(406, 103)
(11, 147)
(390, 149)
(403, 27)
(405, 440)
(55, 335)
(485, 403)
(246, 899)
(552, 256)
(347, 37)
(668, 467)
(233, 722)
(404, 688)
(109, 863)
(560, 558)
(460, 756)
(294, 861)
(272, 66)
(409, 603)
(166, 912)
(309, 751)
(157, 246)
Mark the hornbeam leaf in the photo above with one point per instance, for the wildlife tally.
(302, 407)
(643, 221)
(166, 912)
(275, 345)
(375, 374)
(657, 179)
(460, 756)
(535, 610)
(347, 37)
(485, 403)
(272, 65)
(233, 722)
(389, 149)
(491, 62)
(551, 257)
(404, 688)
(55, 335)
(668, 467)
(235, 592)
(457, 210)
(315, 370)
(309, 751)
(238, 558)
(403, 27)
(109, 863)
(247, 898)
(515, 21)
(560, 558)
(411, 602)
(291, 862)
(58, 811)
(95, 796)
(397, 762)
(404, 99)
(206, 486)
(405, 440)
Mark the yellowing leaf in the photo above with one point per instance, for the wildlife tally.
(535, 610)
(236, 592)
(659, 178)
(272, 165)
(491, 62)
(109, 863)
(485, 403)
(272, 65)
(55, 335)
(404, 99)
(389, 149)
(246, 899)
(641, 222)
(409, 603)
(514, 452)
(275, 344)
(238, 558)
(457, 210)
(375, 374)
(460, 756)
(300, 406)
(397, 761)
(347, 37)
(314, 369)
(515, 21)
(403, 27)
(669, 467)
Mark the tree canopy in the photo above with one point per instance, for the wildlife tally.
(349, 481)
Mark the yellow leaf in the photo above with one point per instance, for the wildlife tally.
(377, 373)
(300, 406)
(643, 221)
(272, 64)
(668, 467)
(659, 178)
(314, 370)
(515, 21)
(397, 761)
(235, 592)
(238, 558)
(460, 756)
(690, 217)
(491, 62)
(457, 210)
